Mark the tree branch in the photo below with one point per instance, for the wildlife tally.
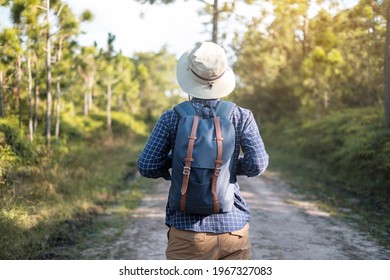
(60, 10)
(41, 7)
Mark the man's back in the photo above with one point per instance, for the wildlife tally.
(154, 162)
(203, 73)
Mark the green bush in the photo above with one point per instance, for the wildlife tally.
(13, 143)
(80, 127)
(95, 125)
(123, 123)
(15, 149)
(352, 143)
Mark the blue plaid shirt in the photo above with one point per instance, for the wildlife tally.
(155, 162)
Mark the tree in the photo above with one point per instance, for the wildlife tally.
(310, 65)
(387, 68)
(362, 31)
(109, 76)
(269, 57)
(68, 28)
(16, 10)
(322, 65)
(3, 3)
(10, 50)
(212, 8)
(25, 15)
(156, 77)
(31, 18)
(48, 75)
(1, 95)
(87, 67)
(126, 99)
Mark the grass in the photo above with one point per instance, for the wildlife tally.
(342, 188)
(50, 210)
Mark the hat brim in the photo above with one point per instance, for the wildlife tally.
(221, 87)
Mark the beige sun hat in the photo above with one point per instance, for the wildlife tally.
(203, 72)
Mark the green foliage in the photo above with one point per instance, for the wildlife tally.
(352, 143)
(14, 148)
(86, 16)
(341, 161)
(311, 63)
(81, 127)
(57, 202)
(10, 45)
(156, 76)
(124, 123)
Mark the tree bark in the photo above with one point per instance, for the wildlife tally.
(91, 81)
(58, 110)
(215, 22)
(30, 105)
(1, 95)
(86, 108)
(305, 35)
(36, 95)
(48, 76)
(387, 70)
(19, 89)
(109, 97)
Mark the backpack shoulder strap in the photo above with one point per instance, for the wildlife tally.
(184, 109)
(225, 108)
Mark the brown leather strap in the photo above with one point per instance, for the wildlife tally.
(188, 161)
(218, 163)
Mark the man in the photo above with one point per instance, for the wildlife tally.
(203, 74)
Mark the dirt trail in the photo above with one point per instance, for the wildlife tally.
(283, 226)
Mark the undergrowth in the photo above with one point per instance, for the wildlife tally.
(342, 161)
(52, 198)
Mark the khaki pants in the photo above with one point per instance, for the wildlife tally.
(190, 245)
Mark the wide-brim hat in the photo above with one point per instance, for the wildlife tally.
(203, 72)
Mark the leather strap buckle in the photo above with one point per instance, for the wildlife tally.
(186, 171)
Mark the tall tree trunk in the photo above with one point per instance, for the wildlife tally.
(326, 100)
(58, 110)
(19, 89)
(85, 80)
(109, 97)
(86, 103)
(305, 35)
(215, 22)
(91, 81)
(20, 111)
(48, 76)
(1, 95)
(36, 96)
(30, 105)
(387, 70)
(88, 83)
(58, 94)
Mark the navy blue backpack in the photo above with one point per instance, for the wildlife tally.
(202, 161)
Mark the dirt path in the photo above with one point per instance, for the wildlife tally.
(283, 226)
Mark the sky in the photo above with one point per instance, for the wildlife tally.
(144, 28)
